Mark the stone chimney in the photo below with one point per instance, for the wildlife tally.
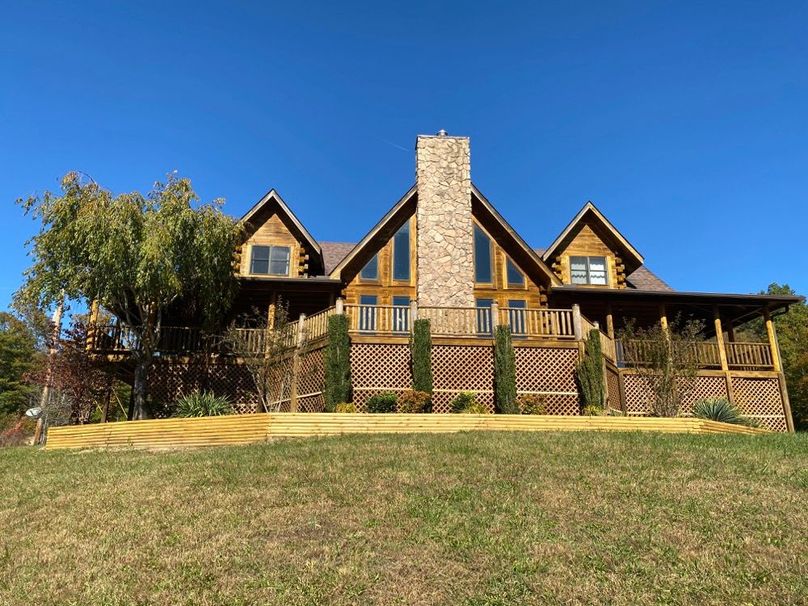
(445, 237)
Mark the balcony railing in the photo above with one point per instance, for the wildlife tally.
(120, 338)
(461, 321)
(379, 319)
(749, 355)
(705, 354)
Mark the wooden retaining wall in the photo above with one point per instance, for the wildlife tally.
(247, 429)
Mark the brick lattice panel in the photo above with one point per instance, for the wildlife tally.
(760, 400)
(549, 371)
(378, 368)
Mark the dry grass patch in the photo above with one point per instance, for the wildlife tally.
(475, 518)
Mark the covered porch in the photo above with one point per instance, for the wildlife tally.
(723, 317)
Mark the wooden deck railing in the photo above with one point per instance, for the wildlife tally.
(458, 321)
(461, 321)
(749, 355)
(394, 320)
(550, 323)
(315, 326)
(707, 354)
(378, 319)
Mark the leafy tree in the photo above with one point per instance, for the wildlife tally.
(266, 352)
(19, 355)
(136, 255)
(792, 335)
(666, 360)
(81, 384)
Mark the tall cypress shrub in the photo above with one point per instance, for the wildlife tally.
(337, 363)
(421, 353)
(505, 372)
(590, 372)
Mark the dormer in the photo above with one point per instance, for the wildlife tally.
(591, 252)
(276, 244)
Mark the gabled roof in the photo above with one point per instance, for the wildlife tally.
(393, 213)
(641, 278)
(273, 197)
(510, 232)
(634, 257)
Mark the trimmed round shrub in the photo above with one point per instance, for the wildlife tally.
(592, 411)
(345, 407)
(475, 408)
(414, 401)
(533, 404)
(202, 404)
(382, 402)
(462, 401)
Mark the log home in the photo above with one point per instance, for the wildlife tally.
(444, 253)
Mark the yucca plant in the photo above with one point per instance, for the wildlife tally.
(203, 404)
(720, 409)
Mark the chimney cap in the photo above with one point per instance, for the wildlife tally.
(442, 133)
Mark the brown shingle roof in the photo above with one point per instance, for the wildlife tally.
(334, 252)
(644, 279)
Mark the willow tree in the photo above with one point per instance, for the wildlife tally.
(136, 255)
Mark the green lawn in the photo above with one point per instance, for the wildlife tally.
(475, 518)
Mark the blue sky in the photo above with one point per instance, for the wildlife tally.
(686, 123)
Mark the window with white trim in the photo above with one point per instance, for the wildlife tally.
(588, 270)
(270, 260)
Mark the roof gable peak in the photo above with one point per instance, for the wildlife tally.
(274, 197)
(590, 209)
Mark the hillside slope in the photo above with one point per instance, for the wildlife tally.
(475, 518)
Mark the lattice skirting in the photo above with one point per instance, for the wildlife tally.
(613, 389)
(760, 399)
(549, 371)
(379, 368)
(639, 397)
(757, 398)
(170, 379)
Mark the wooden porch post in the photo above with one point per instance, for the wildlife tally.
(339, 306)
(730, 332)
(92, 327)
(609, 321)
(299, 339)
(663, 317)
(777, 361)
(577, 324)
(772, 336)
(722, 354)
(719, 338)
